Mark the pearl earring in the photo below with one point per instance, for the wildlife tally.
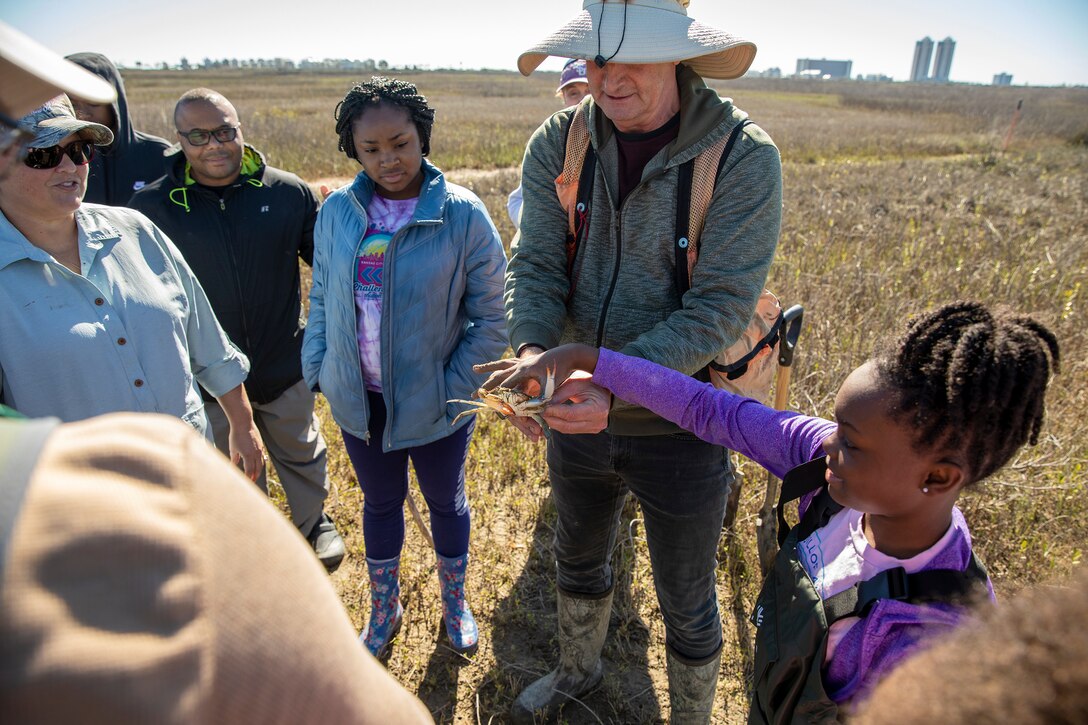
(925, 489)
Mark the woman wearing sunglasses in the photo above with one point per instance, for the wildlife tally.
(98, 311)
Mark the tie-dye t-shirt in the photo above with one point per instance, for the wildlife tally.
(386, 216)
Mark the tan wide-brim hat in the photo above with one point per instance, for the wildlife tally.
(654, 31)
(31, 74)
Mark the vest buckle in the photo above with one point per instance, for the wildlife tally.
(889, 584)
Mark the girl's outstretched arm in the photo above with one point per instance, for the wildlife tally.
(778, 440)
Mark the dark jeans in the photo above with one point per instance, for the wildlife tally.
(682, 484)
(383, 477)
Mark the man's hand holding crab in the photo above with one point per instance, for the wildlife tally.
(575, 406)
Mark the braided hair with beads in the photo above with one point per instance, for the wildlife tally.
(380, 90)
(972, 381)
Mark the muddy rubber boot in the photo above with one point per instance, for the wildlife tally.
(386, 613)
(692, 688)
(583, 624)
(460, 624)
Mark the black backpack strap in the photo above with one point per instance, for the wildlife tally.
(733, 136)
(934, 585)
(585, 193)
(683, 207)
(581, 214)
(680, 229)
(801, 480)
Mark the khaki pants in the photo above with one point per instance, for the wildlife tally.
(292, 437)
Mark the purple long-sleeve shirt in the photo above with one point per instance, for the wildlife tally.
(779, 441)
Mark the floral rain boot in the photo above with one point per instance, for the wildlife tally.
(460, 624)
(386, 613)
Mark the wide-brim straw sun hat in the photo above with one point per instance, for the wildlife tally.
(653, 31)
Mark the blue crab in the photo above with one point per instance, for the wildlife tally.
(511, 401)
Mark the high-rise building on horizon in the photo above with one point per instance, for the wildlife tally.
(1003, 79)
(923, 52)
(942, 65)
(824, 68)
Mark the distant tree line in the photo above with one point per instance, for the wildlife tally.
(280, 64)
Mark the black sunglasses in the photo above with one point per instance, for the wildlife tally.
(200, 137)
(80, 152)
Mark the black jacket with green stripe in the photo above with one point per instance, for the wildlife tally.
(244, 248)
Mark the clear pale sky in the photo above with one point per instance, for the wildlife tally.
(1041, 42)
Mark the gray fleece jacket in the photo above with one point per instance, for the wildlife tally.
(626, 298)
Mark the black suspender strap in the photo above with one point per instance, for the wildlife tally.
(733, 136)
(683, 207)
(801, 480)
(582, 207)
(680, 230)
(934, 585)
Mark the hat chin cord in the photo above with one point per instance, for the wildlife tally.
(599, 60)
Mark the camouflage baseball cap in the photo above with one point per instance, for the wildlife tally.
(51, 123)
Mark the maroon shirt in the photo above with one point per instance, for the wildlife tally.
(636, 150)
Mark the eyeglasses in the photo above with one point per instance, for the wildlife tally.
(200, 137)
(80, 152)
(14, 136)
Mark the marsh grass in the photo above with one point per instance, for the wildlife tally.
(896, 200)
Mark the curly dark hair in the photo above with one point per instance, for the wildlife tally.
(972, 381)
(376, 91)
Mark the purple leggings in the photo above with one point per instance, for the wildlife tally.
(383, 478)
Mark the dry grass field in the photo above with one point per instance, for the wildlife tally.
(897, 199)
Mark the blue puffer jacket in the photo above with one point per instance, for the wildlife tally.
(442, 310)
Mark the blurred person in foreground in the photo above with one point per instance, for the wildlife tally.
(242, 226)
(1025, 662)
(135, 158)
(649, 113)
(31, 74)
(101, 313)
(573, 87)
(134, 591)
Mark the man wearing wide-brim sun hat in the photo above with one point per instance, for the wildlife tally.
(625, 287)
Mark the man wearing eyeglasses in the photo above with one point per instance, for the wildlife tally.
(242, 227)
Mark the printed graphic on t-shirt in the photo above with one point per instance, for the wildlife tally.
(385, 216)
(368, 304)
(369, 264)
(811, 551)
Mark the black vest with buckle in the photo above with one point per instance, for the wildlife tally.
(792, 621)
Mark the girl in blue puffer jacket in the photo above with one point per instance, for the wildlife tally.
(407, 295)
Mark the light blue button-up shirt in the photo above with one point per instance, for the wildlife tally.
(133, 332)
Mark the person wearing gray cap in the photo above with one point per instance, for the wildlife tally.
(573, 87)
(111, 318)
(31, 74)
(618, 284)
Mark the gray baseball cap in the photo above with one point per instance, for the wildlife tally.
(52, 122)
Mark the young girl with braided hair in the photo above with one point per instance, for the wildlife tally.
(881, 554)
(407, 295)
